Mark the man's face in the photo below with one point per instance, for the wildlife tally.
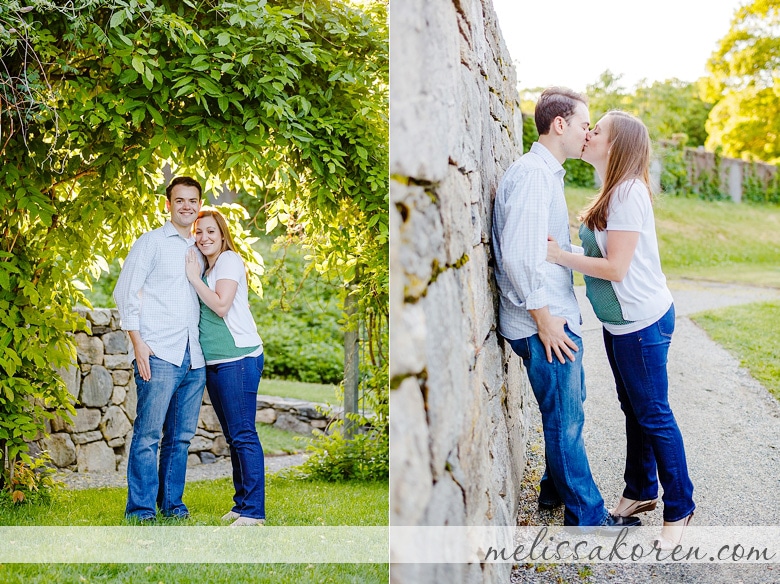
(576, 131)
(184, 205)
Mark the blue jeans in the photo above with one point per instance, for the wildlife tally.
(168, 408)
(233, 390)
(654, 444)
(560, 393)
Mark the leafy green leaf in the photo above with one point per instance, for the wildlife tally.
(117, 18)
(138, 64)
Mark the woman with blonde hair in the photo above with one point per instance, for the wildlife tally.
(234, 359)
(628, 291)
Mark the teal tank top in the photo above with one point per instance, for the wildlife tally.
(215, 338)
(600, 292)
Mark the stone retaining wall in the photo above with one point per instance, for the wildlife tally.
(104, 396)
(458, 394)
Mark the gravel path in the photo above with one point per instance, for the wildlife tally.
(731, 427)
(199, 472)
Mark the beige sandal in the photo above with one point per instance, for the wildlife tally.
(629, 507)
(672, 533)
(247, 521)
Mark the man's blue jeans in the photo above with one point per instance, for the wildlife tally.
(232, 387)
(168, 409)
(560, 392)
(638, 362)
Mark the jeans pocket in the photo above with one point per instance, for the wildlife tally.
(521, 348)
(666, 324)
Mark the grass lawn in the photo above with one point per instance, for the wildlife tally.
(349, 503)
(276, 441)
(750, 333)
(289, 503)
(194, 573)
(312, 392)
(701, 240)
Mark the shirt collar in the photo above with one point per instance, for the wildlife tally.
(170, 231)
(552, 163)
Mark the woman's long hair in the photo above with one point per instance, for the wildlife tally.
(227, 239)
(628, 158)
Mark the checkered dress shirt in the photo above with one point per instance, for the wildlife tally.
(529, 205)
(154, 296)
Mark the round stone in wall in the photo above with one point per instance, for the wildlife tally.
(115, 342)
(89, 349)
(95, 456)
(61, 449)
(114, 423)
(97, 387)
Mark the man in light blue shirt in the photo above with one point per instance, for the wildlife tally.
(538, 311)
(160, 310)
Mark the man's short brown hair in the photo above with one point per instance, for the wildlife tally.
(187, 181)
(555, 102)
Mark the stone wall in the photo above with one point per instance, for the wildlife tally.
(104, 396)
(458, 394)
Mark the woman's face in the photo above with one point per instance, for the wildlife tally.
(208, 237)
(597, 143)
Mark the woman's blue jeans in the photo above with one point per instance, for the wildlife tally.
(560, 392)
(233, 390)
(654, 444)
(166, 417)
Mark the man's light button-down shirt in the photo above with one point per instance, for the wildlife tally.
(530, 204)
(155, 297)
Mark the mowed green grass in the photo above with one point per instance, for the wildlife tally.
(194, 573)
(714, 241)
(278, 442)
(312, 392)
(750, 332)
(288, 503)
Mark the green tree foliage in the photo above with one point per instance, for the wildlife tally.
(578, 172)
(286, 102)
(298, 317)
(744, 85)
(606, 94)
(668, 108)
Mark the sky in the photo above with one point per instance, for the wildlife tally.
(572, 42)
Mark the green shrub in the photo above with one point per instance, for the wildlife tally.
(755, 190)
(298, 317)
(674, 174)
(334, 458)
(297, 349)
(579, 174)
(31, 482)
(530, 135)
(364, 457)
